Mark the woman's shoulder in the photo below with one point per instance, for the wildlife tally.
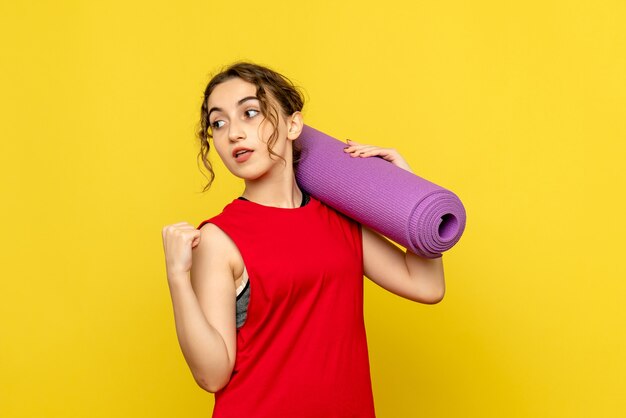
(212, 235)
(215, 244)
(216, 228)
(215, 232)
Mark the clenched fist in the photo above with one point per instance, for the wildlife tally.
(178, 240)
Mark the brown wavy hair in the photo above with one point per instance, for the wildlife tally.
(269, 85)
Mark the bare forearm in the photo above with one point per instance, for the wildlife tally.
(428, 275)
(202, 345)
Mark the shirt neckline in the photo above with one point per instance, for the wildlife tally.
(311, 202)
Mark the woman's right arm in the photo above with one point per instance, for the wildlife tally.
(202, 287)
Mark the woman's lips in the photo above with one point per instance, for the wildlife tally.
(243, 156)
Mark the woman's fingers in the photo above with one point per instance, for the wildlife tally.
(360, 150)
(363, 148)
(178, 241)
(180, 226)
(390, 154)
(195, 238)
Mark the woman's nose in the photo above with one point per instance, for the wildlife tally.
(236, 132)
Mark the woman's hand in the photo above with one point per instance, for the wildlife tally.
(178, 240)
(390, 154)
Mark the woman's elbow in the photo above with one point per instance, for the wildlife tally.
(432, 297)
(435, 298)
(213, 384)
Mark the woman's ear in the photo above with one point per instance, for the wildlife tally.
(294, 126)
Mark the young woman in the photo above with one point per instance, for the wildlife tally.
(268, 294)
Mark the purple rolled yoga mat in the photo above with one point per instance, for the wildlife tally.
(417, 214)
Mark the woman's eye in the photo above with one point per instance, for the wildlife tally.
(217, 124)
(251, 113)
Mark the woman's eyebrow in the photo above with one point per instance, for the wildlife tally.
(245, 99)
(239, 103)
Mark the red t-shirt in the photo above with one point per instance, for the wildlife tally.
(302, 351)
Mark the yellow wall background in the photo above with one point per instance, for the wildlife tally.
(518, 107)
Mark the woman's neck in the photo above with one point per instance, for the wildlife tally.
(280, 192)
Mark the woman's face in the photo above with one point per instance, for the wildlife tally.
(240, 131)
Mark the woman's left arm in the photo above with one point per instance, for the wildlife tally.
(403, 273)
